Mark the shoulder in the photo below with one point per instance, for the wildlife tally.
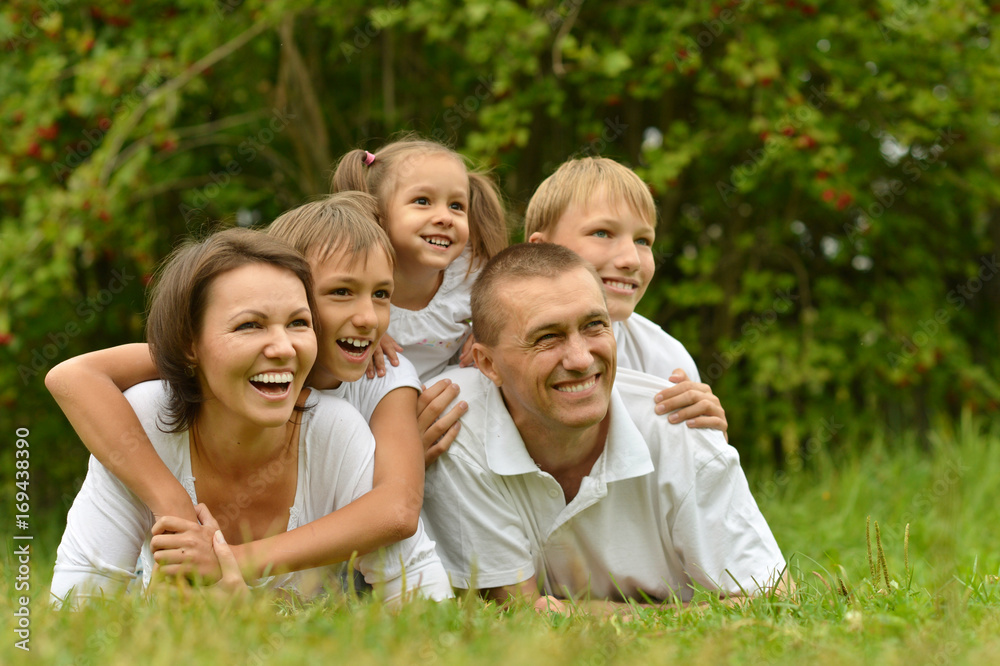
(332, 429)
(365, 394)
(149, 401)
(672, 445)
(644, 345)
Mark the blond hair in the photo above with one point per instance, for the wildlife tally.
(380, 173)
(577, 182)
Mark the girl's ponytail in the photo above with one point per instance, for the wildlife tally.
(351, 173)
(487, 219)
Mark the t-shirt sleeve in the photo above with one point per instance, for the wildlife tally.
(479, 534)
(644, 346)
(721, 535)
(105, 530)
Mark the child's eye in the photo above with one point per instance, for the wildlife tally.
(601, 233)
(458, 206)
(423, 201)
(340, 291)
(383, 294)
(643, 241)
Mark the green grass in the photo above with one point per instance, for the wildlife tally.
(943, 608)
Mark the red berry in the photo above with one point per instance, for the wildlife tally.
(844, 200)
(766, 81)
(104, 216)
(822, 175)
(788, 131)
(34, 150)
(828, 195)
(6, 339)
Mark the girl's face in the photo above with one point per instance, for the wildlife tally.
(352, 305)
(427, 213)
(256, 344)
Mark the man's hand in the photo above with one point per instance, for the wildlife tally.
(436, 431)
(386, 348)
(184, 548)
(693, 403)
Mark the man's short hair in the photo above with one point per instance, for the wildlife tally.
(524, 261)
(577, 182)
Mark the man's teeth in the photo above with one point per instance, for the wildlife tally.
(272, 378)
(620, 285)
(576, 388)
(443, 242)
(355, 342)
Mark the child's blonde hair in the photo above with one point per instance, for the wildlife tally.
(345, 222)
(379, 173)
(577, 182)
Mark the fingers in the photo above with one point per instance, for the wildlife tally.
(433, 401)
(172, 524)
(441, 445)
(392, 355)
(232, 579)
(205, 517)
(549, 604)
(377, 365)
(681, 395)
(678, 376)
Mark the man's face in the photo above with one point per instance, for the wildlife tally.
(617, 241)
(555, 359)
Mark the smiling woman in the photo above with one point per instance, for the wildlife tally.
(231, 334)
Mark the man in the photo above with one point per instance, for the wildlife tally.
(562, 479)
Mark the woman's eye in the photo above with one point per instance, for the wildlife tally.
(301, 322)
(247, 325)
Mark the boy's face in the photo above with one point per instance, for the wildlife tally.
(616, 240)
(352, 305)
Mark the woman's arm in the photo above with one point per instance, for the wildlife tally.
(385, 515)
(88, 389)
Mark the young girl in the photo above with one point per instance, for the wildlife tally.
(444, 222)
(231, 332)
(352, 264)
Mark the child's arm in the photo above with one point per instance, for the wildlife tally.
(692, 402)
(91, 397)
(386, 514)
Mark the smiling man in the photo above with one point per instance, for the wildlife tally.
(563, 482)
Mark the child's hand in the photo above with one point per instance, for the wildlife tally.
(692, 402)
(231, 584)
(184, 548)
(438, 432)
(386, 347)
(465, 359)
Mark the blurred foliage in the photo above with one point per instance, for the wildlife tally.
(826, 173)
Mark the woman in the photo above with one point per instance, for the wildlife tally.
(231, 334)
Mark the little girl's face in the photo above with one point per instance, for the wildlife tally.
(352, 306)
(427, 214)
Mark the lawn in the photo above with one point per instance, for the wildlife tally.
(935, 599)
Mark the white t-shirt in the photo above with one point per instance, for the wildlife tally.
(108, 527)
(664, 506)
(644, 346)
(365, 394)
(433, 337)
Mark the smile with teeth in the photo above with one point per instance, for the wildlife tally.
(582, 385)
(620, 286)
(272, 383)
(354, 346)
(437, 240)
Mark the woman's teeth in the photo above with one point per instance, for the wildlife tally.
(272, 378)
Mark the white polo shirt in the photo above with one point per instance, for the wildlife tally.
(664, 506)
(645, 347)
(365, 394)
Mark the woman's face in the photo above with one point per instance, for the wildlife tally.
(352, 304)
(256, 344)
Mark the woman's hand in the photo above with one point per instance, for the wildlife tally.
(185, 548)
(231, 584)
(386, 348)
(692, 402)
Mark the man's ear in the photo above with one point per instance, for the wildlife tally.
(537, 237)
(483, 356)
